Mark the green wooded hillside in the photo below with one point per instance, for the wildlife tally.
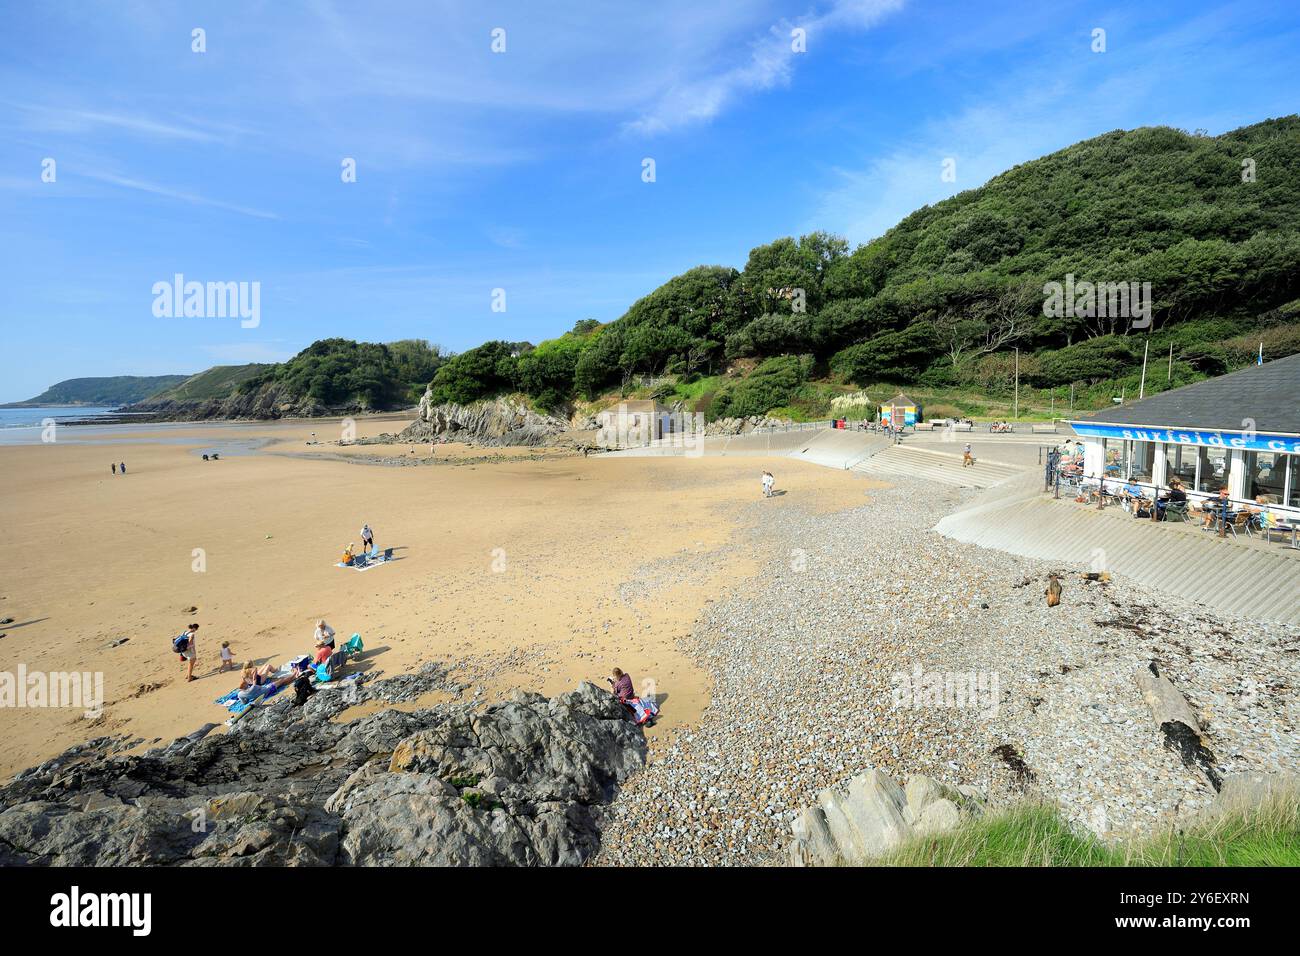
(114, 390)
(945, 297)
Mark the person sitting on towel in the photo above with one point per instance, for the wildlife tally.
(347, 555)
(255, 676)
(323, 653)
(622, 684)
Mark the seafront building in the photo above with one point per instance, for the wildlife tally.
(632, 423)
(1240, 430)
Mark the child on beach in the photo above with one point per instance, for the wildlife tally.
(768, 482)
(966, 458)
(227, 656)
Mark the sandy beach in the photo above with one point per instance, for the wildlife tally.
(528, 573)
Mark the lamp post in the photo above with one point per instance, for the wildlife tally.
(1015, 413)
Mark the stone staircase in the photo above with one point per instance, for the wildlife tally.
(941, 466)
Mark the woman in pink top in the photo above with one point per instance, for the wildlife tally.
(622, 685)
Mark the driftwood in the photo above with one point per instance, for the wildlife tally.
(1174, 717)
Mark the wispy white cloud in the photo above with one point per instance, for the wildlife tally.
(177, 194)
(507, 237)
(770, 62)
(81, 122)
(1061, 95)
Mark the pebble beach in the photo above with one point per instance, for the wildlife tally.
(813, 666)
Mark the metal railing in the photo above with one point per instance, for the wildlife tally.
(1114, 488)
(789, 427)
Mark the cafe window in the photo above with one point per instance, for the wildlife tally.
(1213, 473)
(1143, 455)
(1180, 463)
(1116, 452)
(1266, 475)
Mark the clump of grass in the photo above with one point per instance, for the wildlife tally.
(479, 801)
(1034, 834)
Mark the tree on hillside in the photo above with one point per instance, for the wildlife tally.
(481, 372)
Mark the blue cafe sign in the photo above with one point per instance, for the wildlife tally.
(1249, 441)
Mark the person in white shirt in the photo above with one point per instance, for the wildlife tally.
(324, 634)
(768, 482)
(367, 538)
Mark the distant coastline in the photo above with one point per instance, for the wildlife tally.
(34, 416)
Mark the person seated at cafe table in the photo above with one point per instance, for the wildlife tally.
(1214, 507)
(1132, 494)
(1176, 495)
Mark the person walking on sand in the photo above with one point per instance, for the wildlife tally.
(189, 650)
(114, 467)
(768, 482)
(122, 466)
(966, 459)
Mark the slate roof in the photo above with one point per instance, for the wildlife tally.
(1268, 393)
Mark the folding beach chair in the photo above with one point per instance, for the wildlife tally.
(1176, 512)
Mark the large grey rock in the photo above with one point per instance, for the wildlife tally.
(872, 816)
(938, 816)
(875, 805)
(1243, 792)
(922, 791)
(517, 783)
(496, 422)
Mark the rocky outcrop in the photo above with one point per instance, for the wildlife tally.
(517, 783)
(495, 423)
(873, 814)
(267, 401)
(739, 426)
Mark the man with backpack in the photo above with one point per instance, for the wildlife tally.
(186, 647)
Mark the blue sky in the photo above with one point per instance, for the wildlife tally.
(522, 170)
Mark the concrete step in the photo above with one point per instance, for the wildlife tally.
(900, 460)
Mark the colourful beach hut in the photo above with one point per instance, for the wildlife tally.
(900, 412)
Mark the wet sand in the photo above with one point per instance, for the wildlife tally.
(519, 573)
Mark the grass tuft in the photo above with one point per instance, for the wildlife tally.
(1035, 834)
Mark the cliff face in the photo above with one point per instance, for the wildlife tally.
(494, 423)
(266, 401)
